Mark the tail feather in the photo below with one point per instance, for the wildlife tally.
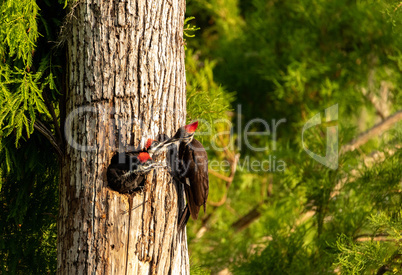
(184, 218)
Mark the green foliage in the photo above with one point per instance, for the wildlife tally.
(19, 30)
(23, 79)
(197, 270)
(293, 59)
(29, 90)
(188, 30)
(361, 257)
(321, 51)
(206, 100)
(19, 107)
(29, 204)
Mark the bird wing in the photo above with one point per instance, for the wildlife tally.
(197, 172)
(201, 159)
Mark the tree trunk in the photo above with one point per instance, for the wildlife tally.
(125, 83)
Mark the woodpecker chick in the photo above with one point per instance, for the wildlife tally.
(127, 171)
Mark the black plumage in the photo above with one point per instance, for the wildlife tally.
(127, 171)
(193, 169)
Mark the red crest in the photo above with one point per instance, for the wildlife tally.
(191, 127)
(149, 142)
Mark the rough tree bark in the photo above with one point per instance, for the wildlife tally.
(125, 83)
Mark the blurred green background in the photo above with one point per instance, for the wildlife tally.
(268, 60)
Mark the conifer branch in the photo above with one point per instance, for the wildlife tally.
(228, 180)
(247, 219)
(54, 117)
(370, 235)
(373, 132)
(254, 214)
(244, 221)
(341, 182)
(44, 131)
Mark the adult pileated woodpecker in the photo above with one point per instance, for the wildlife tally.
(127, 171)
(192, 172)
(193, 167)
